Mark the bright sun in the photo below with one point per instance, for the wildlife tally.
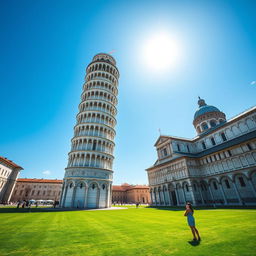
(161, 52)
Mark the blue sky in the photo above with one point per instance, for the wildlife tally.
(46, 46)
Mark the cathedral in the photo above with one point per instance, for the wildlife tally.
(216, 168)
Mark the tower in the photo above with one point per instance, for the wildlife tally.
(88, 176)
(207, 117)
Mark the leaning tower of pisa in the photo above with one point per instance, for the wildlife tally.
(88, 176)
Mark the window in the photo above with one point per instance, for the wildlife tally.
(164, 152)
(213, 141)
(215, 185)
(241, 180)
(249, 146)
(38, 192)
(187, 187)
(188, 148)
(178, 146)
(223, 136)
(94, 146)
(32, 192)
(195, 187)
(204, 126)
(203, 145)
(213, 123)
(227, 184)
(229, 153)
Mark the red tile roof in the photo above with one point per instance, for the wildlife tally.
(39, 180)
(126, 187)
(10, 162)
(119, 188)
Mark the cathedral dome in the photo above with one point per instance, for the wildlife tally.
(207, 117)
(205, 109)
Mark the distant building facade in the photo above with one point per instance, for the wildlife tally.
(126, 193)
(218, 167)
(9, 172)
(37, 189)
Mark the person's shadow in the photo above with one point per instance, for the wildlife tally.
(194, 242)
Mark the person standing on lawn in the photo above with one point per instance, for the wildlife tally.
(191, 221)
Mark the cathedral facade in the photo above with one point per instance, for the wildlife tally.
(88, 176)
(217, 167)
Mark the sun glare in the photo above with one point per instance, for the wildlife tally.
(161, 52)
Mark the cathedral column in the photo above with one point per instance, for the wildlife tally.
(200, 192)
(210, 190)
(184, 195)
(168, 197)
(192, 194)
(177, 196)
(237, 194)
(252, 187)
(163, 193)
(223, 194)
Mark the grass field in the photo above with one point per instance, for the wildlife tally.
(143, 231)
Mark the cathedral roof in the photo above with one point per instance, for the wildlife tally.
(204, 108)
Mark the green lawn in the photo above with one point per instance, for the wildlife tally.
(143, 231)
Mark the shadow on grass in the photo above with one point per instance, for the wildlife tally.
(194, 243)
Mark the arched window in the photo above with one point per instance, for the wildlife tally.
(241, 180)
(187, 187)
(223, 136)
(213, 141)
(212, 123)
(227, 184)
(204, 126)
(103, 186)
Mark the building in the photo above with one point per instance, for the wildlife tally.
(126, 193)
(217, 167)
(9, 172)
(88, 176)
(37, 189)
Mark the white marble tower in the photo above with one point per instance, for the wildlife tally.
(88, 176)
